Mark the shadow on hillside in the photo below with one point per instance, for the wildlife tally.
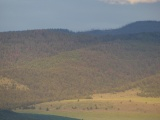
(9, 115)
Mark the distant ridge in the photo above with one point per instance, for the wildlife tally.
(132, 28)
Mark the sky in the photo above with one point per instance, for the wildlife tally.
(75, 15)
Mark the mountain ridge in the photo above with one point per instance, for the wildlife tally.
(131, 28)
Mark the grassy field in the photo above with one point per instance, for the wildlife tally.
(118, 106)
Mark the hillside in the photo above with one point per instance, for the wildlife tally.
(149, 86)
(47, 65)
(132, 28)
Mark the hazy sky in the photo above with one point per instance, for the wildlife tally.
(76, 15)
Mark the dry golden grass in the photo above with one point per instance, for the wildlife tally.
(127, 102)
(119, 106)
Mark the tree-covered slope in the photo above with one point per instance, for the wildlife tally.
(149, 86)
(45, 65)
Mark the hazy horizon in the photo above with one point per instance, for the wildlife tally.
(75, 15)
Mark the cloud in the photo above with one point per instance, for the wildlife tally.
(128, 1)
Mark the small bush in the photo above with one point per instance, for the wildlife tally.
(47, 109)
(74, 107)
(89, 97)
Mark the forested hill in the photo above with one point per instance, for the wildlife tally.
(132, 28)
(45, 65)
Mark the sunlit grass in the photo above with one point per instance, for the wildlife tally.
(120, 106)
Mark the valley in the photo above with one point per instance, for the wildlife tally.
(88, 75)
